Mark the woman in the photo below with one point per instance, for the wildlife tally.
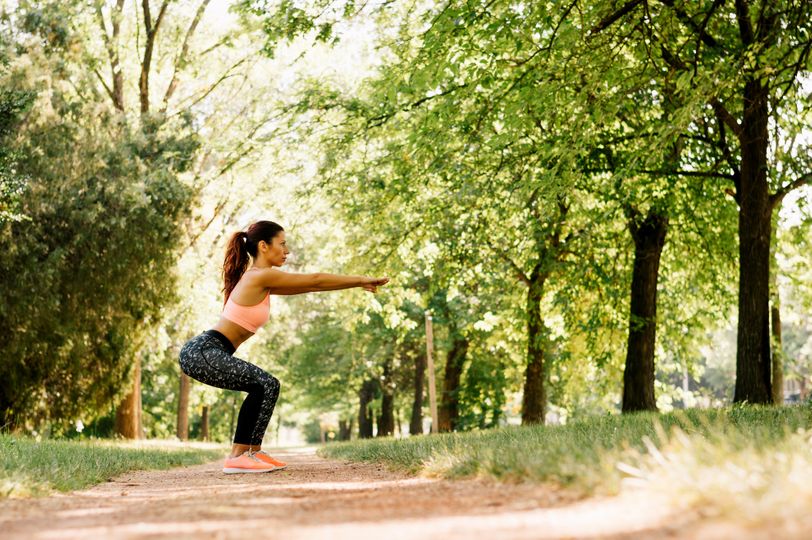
(209, 357)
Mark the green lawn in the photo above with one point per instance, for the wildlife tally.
(735, 456)
(31, 468)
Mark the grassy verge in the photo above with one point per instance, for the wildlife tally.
(30, 468)
(720, 460)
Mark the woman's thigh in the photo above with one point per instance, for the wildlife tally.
(212, 365)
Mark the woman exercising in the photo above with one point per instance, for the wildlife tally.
(209, 357)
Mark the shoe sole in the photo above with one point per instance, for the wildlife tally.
(236, 470)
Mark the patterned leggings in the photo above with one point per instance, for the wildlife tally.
(208, 358)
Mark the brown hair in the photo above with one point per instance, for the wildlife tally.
(241, 245)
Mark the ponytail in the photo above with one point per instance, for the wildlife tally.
(236, 262)
(241, 245)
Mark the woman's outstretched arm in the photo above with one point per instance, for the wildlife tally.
(287, 283)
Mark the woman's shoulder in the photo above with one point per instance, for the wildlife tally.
(252, 279)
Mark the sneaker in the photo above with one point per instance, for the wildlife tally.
(247, 462)
(268, 459)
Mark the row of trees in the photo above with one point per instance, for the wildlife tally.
(575, 144)
(580, 193)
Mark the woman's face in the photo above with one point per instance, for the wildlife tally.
(276, 252)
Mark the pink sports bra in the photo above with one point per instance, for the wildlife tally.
(249, 317)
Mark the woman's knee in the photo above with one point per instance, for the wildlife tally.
(270, 382)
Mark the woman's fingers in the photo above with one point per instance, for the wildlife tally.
(374, 283)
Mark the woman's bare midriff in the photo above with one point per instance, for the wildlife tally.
(235, 333)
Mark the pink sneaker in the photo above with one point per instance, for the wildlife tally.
(246, 462)
(264, 456)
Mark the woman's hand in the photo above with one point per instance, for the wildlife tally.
(371, 284)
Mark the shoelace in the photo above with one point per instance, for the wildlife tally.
(252, 455)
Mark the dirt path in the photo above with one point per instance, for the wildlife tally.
(315, 498)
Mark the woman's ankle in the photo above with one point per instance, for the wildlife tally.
(238, 449)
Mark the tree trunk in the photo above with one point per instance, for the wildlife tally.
(534, 400)
(638, 375)
(151, 28)
(449, 405)
(398, 424)
(365, 395)
(386, 425)
(183, 407)
(386, 421)
(128, 413)
(778, 354)
(204, 423)
(775, 316)
(753, 371)
(344, 429)
(416, 422)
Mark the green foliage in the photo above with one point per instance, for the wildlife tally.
(483, 119)
(14, 105)
(103, 225)
(86, 273)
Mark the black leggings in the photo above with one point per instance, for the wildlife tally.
(208, 358)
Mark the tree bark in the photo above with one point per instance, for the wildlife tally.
(128, 413)
(365, 395)
(345, 429)
(151, 27)
(449, 405)
(753, 367)
(180, 60)
(416, 422)
(387, 424)
(534, 400)
(183, 407)
(204, 423)
(638, 375)
(778, 354)
(775, 315)
(386, 421)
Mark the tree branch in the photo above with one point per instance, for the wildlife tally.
(104, 84)
(726, 117)
(686, 19)
(696, 174)
(726, 153)
(152, 31)
(610, 19)
(184, 50)
(111, 44)
(745, 25)
(382, 119)
(504, 256)
(779, 195)
(226, 75)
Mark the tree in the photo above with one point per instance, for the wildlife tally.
(738, 64)
(128, 415)
(95, 186)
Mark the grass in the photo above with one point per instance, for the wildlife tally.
(753, 460)
(29, 468)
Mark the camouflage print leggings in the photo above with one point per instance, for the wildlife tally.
(208, 358)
